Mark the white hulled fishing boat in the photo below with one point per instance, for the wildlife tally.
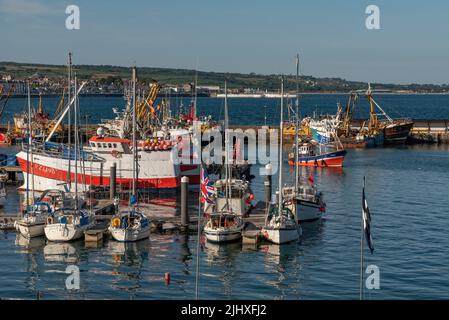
(54, 165)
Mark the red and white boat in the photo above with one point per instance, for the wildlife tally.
(312, 156)
(51, 163)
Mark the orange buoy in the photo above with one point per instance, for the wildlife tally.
(167, 278)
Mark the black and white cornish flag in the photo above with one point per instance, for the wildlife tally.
(367, 222)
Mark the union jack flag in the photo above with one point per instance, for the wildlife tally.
(207, 189)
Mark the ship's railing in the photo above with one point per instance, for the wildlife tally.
(59, 150)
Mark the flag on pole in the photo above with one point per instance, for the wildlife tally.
(207, 189)
(311, 179)
(367, 222)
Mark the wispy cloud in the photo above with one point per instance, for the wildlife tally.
(27, 8)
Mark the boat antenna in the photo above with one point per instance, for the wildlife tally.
(281, 146)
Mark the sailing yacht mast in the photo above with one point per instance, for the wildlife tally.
(69, 135)
(29, 149)
(134, 131)
(227, 165)
(296, 127)
(75, 105)
(280, 204)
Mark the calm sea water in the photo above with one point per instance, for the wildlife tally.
(254, 111)
(407, 194)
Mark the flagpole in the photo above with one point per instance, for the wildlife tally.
(361, 248)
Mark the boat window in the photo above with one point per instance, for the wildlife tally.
(92, 144)
(105, 145)
(110, 145)
(99, 145)
(115, 145)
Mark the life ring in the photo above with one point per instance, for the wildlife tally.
(115, 153)
(116, 222)
(50, 220)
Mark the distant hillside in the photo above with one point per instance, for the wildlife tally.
(181, 76)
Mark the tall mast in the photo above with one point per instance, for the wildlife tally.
(280, 204)
(296, 126)
(134, 76)
(226, 125)
(75, 105)
(69, 136)
(29, 147)
(196, 94)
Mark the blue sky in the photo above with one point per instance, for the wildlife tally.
(238, 36)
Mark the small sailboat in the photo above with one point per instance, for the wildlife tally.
(304, 200)
(131, 225)
(224, 223)
(33, 222)
(224, 227)
(69, 223)
(307, 202)
(280, 223)
(239, 198)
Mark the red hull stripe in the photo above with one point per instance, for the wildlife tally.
(330, 162)
(61, 175)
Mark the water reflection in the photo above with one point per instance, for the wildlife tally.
(32, 247)
(225, 252)
(129, 253)
(129, 260)
(30, 244)
(283, 263)
(185, 253)
(68, 253)
(224, 255)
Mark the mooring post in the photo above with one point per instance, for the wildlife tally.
(184, 203)
(113, 181)
(267, 183)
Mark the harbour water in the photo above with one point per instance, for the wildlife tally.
(406, 191)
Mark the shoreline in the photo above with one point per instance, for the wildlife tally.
(240, 96)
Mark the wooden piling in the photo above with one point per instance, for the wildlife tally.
(268, 183)
(113, 181)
